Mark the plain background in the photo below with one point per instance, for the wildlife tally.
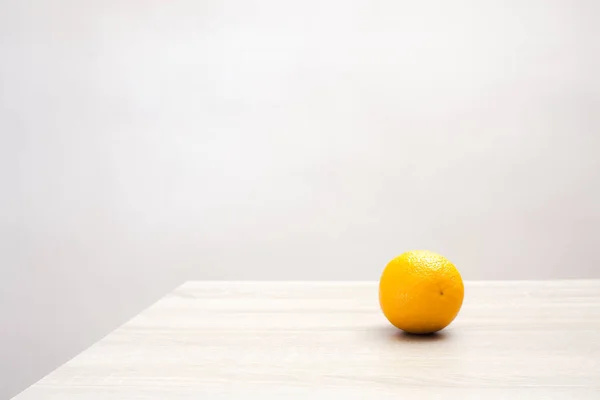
(145, 143)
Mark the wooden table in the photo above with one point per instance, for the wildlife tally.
(517, 340)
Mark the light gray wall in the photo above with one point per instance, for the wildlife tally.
(144, 143)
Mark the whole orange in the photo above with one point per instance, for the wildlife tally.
(420, 292)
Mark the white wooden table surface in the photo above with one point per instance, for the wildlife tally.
(520, 340)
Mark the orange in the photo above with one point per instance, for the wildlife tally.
(420, 292)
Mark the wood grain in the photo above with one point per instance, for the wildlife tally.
(517, 340)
